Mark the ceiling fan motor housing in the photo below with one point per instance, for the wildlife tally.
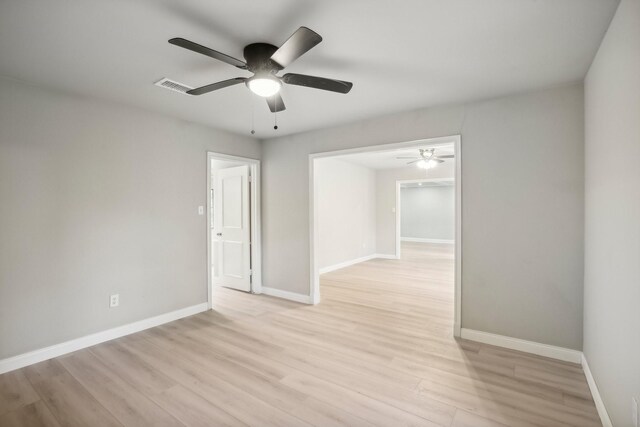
(258, 57)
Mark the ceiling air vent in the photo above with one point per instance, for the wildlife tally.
(173, 85)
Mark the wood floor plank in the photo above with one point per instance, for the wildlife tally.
(32, 415)
(15, 392)
(508, 396)
(124, 402)
(192, 409)
(44, 370)
(575, 385)
(258, 382)
(131, 368)
(467, 419)
(240, 404)
(372, 410)
(68, 400)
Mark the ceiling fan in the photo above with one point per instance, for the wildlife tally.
(265, 61)
(427, 158)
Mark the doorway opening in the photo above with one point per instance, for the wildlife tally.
(355, 214)
(233, 224)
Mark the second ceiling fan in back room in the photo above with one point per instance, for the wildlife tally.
(265, 61)
(426, 158)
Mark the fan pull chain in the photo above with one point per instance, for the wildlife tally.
(253, 105)
(275, 121)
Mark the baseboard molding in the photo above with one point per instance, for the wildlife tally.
(344, 264)
(386, 256)
(292, 296)
(36, 356)
(559, 353)
(602, 410)
(421, 240)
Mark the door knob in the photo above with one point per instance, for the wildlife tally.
(218, 234)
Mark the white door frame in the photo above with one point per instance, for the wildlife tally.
(314, 286)
(256, 243)
(399, 206)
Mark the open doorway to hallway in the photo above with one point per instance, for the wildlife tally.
(357, 221)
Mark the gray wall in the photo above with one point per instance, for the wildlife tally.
(612, 215)
(522, 210)
(386, 200)
(345, 211)
(428, 212)
(97, 198)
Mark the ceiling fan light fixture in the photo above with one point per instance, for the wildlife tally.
(427, 164)
(264, 86)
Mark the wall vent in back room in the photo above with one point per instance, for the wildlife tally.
(173, 85)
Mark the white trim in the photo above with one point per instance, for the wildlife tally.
(292, 296)
(386, 256)
(423, 240)
(344, 264)
(559, 353)
(597, 399)
(457, 277)
(256, 243)
(314, 273)
(35, 356)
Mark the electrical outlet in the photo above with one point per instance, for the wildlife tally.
(634, 412)
(200, 210)
(114, 300)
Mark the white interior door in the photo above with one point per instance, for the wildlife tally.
(231, 233)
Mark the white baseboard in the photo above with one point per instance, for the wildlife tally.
(602, 410)
(559, 353)
(355, 261)
(292, 296)
(421, 240)
(386, 256)
(344, 264)
(35, 356)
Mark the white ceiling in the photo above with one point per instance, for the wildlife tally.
(388, 159)
(399, 55)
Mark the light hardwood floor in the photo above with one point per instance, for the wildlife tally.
(377, 351)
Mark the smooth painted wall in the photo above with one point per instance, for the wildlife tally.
(98, 198)
(522, 206)
(386, 199)
(428, 212)
(346, 211)
(612, 215)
